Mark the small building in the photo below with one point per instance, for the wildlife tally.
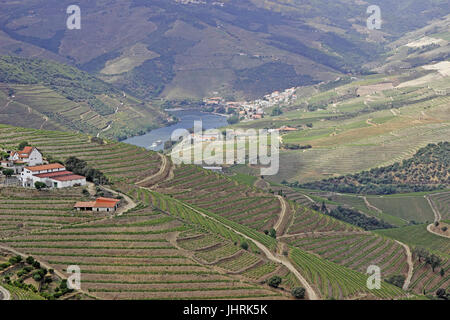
(29, 155)
(99, 205)
(17, 160)
(54, 175)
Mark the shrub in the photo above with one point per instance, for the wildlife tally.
(40, 185)
(396, 280)
(273, 233)
(274, 281)
(299, 292)
(15, 259)
(30, 260)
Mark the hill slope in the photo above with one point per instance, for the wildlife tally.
(173, 237)
(175, 50)
(428, 169)
(47, 95)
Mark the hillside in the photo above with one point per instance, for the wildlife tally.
(46, 95)
(242, 48)
(428, 169)
(180, 244)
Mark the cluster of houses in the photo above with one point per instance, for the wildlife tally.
(252, 110)
(29, 167)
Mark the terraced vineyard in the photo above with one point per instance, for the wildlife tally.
(138, 163)
(237, 202)
(426, 281)
(136, 257)
(442, 203)
(22, 211)
(180, 242)
(337, 282)
(20, 294)
(357, 251)
(306, 220)
(419, 236)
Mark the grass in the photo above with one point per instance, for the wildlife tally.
(418, 236)
(407, 208)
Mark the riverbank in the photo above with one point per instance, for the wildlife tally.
(186, 121)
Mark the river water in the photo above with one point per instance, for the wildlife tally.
(187, 118)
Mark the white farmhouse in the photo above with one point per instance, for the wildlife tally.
(29, 155)
(53, 175)
(17, 160)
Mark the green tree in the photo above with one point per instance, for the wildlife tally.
(8, 173)
(274, 281)
(396, 280)
(299, 292)
(273, 233)
(244, 245)
(30, 260)
(40, 185)
(22, 145)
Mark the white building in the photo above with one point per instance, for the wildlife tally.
(53, 175)
(29, 155)
(17, 160)
(99, 205)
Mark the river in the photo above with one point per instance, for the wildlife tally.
(187, 118)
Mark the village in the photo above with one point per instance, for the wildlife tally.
(27, 168)
(251, 110)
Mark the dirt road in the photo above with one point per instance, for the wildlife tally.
(410, 265)
(164, 164)
(282, 214)
(5, 293)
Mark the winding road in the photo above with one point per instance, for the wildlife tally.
(164, 164)
(437, 218)
(5, 293)
(282, 214)
(410, 265)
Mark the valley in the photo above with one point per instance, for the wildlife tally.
(355, 123)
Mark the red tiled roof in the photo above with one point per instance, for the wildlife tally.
(27, 150)
(99, 203)
(46, 167)
(90, 204)
(68, 177)
(106, 203)
(53, 174)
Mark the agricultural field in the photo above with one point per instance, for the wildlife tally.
(179, 242)
(136, 256)
(139, 164)
(238, 202)
(365, 206)
(442, 203)
(378, 125)
(356, 251)
(46, 95)
(409, 208)
(418, 236)
(24, 211)
(427, 281)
